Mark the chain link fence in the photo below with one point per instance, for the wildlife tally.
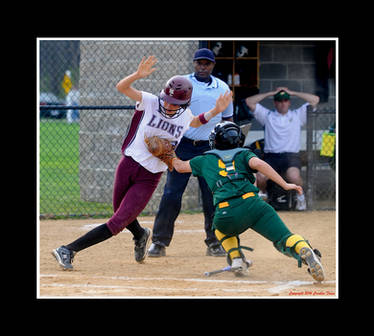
(321, 158)
(83, 121)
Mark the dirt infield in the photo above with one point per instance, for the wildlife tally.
(109, 270)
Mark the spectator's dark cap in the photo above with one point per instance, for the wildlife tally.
(204, 53)
(281, 95)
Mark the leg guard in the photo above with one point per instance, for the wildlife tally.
(231, 245)
(290, 246)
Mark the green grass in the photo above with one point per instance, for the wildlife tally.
(59, 173)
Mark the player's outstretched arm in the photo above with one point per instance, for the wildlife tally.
(221, 104)
(145, 68)
(181, 166)
(264, 168)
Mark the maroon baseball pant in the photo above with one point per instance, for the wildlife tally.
(133, 188)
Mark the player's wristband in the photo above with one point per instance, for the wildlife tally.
(202, 118)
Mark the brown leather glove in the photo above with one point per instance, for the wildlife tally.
(162, 149)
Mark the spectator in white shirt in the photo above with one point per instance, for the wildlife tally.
(282, 134)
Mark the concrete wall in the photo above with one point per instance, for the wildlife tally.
(291, 64)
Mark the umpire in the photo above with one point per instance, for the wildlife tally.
(206, 90)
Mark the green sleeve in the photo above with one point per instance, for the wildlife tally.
(247, 155)
(196, 165)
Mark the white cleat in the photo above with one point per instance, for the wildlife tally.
(312, 260)
(240, 266)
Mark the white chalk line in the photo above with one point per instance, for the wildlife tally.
(127, 278)
(291, 284)
(281, 285)
(92, 226)
(119, 288)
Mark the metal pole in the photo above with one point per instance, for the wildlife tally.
(309, 151)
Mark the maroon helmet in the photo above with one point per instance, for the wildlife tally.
(177, 91)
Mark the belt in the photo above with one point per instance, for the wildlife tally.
(196, 142)
(226, 204)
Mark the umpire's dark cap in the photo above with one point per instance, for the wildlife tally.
(204, 53)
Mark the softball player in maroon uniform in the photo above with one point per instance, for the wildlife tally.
(138, 172)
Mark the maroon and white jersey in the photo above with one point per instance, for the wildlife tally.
(146, 122)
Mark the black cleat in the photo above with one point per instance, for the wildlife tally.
(64, 257)
(141, 245)
(156, 251)
(215, 250)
